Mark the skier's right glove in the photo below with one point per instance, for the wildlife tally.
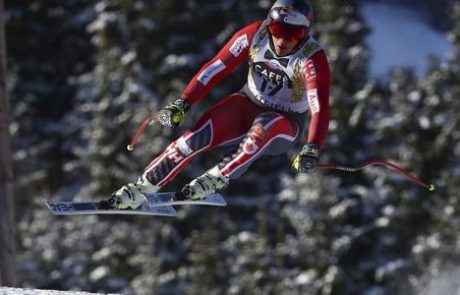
(173, 114)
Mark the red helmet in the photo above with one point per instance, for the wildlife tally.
(290, 19)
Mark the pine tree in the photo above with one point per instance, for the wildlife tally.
(436, 250)
(48, 49)
(413, 120)
(7, 230)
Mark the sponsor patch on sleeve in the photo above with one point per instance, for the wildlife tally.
(312, 95)
(209, 72)
(310, 71)
(239, 44)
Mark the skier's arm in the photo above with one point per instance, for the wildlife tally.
(318, 85)
(230, 56)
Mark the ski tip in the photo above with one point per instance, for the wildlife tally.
(431, 188)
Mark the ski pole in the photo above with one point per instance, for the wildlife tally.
(147, 121)
(387, 164)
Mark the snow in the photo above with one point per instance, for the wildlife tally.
(17, 291)
(400, 37)
(444, 282)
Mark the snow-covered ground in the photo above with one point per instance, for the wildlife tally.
(18, 291)
(400, 37)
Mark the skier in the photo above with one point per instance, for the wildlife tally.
(289, 75)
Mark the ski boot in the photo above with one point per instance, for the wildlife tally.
(202, 186)
(131, 196)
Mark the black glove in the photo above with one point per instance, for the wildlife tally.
(307, 159)
(173, 114)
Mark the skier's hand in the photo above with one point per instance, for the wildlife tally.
(307, 159)
(173, 114)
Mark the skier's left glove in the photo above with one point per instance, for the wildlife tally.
(307, 159)
(173, 114)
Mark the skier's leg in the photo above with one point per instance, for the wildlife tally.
(225, 122)
(270, 133)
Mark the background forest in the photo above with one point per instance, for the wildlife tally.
(83, 75)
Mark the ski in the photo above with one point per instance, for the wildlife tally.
(87, 208)
(159, 204)
(167, 198)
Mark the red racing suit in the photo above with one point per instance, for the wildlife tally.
(267, 116)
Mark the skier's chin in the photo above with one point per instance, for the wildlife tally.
(283, 47)
(281, 50)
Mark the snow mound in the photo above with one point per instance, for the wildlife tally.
(15, 291)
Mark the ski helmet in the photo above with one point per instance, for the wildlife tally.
(293, 12)
(290, 19)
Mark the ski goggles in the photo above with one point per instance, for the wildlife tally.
(286, 31)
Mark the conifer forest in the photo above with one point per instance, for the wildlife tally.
(82, 76)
